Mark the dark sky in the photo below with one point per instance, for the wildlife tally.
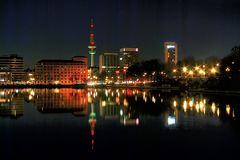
(38, 29)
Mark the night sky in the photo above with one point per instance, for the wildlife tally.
(41, 29)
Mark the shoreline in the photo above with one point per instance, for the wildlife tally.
(84, 86)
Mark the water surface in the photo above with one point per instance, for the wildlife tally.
(117, 124)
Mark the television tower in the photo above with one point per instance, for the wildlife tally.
(92, 45)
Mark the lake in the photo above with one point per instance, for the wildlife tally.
(117, 124)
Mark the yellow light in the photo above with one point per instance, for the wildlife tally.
(153, 99)
(184, 69)
(185, 105)
(30, 97)
(56, 82)
(106, 93)
(228, 109)
(175, 103)
(196, 68)
(218, 112)
(227, 69)
(213, 107)
(125, 102)
(204, 101)
(32, 93)
(145, 99)
(190, 72)
(56, 90)
(118, 100)
(201, 106)
(213, 70)
(197, 107)
(104, 103)
(174, 70)
(191, 103)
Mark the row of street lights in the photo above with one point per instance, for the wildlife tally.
(196, 71)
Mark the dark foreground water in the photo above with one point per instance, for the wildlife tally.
(117, 124)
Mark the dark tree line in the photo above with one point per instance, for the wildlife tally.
(147, 67)
(229, 76)
(152, 70)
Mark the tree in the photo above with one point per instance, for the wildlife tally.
(230, 69)
(150, 68)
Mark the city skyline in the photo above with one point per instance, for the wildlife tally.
(60, 29)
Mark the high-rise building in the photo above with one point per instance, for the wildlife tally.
(92, 45)
(170, 53)
(11, 69)
(108, 62)
(128, 56)
(66, 72)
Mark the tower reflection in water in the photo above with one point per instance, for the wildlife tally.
(131, 106)
(127, 107)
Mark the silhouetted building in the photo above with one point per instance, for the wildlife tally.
(128, 56)
(170, 53)
(108, 62)
(11, 69)
(65, 72)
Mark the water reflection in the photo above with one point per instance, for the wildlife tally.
(122, 104)
(61, 101)
(124, 107)
(11, 104)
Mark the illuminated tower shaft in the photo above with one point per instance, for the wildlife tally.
(92, 122)
(92, 45)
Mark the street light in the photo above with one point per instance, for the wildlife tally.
(197, 68)
(213, 70)
(227, 69)
(184, 69)
(190, 73)
(174, 70)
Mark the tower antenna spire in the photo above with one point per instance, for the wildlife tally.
(92, 45)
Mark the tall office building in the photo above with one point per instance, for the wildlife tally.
(11, 69)
(108, 62)
(66, 72)
(128, 56)
(171, 53)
